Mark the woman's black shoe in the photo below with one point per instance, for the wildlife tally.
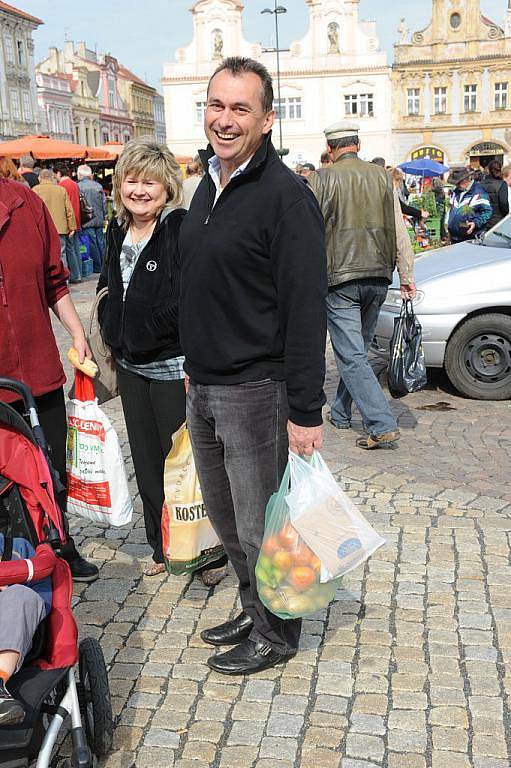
(11, 710)
(247, 658)
(229, 633)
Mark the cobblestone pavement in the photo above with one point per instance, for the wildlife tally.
(408, 668)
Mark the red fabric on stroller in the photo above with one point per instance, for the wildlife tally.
(24, 463)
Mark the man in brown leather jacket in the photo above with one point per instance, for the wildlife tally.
(364, 239)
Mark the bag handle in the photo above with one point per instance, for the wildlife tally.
(84, 387)
(94, 311)
(407, 315)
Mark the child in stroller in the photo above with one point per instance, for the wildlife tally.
(38, 633)
(22, 608)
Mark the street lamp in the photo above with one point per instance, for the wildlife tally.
(278, 9)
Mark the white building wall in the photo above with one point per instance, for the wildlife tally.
(315, 69)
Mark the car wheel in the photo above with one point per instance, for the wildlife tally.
(478, 357)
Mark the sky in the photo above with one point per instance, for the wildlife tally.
(144, 34)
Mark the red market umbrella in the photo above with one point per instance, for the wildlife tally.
(45, 148)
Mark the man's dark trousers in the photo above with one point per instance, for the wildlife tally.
(239, 439)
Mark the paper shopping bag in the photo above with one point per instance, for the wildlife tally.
(189, 540)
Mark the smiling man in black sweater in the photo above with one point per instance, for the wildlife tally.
(252, 327)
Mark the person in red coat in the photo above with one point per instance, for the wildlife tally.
(33, 280)
(73, 255)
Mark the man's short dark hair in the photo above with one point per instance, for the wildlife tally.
(347, 141)
(61, 168)
(379, 161)
(239, 65)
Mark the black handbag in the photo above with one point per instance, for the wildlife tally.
(86, 210)
(406, 371)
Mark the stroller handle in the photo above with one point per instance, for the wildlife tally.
(28, 398)
(20, 388)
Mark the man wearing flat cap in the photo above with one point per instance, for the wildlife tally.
(469, 206)
(364, 240)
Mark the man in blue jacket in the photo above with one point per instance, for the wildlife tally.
(252, 328)
(93, 193)
(470, 208)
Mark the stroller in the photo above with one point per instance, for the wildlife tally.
(46, 684)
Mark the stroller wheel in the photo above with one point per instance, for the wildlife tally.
(94, 696)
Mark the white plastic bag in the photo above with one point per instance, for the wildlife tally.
(97, 487)
(326, 518)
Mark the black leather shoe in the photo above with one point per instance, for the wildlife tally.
(229, 633)
(82, 570)
(247, 658)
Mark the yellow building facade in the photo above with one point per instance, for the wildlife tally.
(139, 97)
(452, 87)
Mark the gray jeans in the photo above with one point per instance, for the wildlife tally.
(352, 311)
(239, 440)
(21, 610)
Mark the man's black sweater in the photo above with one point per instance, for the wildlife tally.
(253, 284)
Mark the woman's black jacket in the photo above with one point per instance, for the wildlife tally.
(497, 192)
(144, 327)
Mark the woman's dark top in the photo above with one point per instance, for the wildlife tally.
(497, 192)
(143, 326)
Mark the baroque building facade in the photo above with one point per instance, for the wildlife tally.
(109, 102)
(335, 72)
(18, 100)
(139, 97)
(452, 87)
(54, 98)
(160, 130)
(83, 85)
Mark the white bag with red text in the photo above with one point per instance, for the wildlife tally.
(97, 486)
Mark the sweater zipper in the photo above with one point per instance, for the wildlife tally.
(226, 190)
(2, 287)
(240, 177)
(10, 329)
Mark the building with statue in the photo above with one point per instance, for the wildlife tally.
(335, 72)
(451, 87)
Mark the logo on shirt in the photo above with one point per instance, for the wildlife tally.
(151, 266)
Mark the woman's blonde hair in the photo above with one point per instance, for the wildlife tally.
(145, 158)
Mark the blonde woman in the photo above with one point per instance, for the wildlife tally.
(139, 317)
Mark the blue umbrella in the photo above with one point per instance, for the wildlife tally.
(423, 167)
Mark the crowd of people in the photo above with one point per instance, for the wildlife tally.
(470, 202)
(220, 291)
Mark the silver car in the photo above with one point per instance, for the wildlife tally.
(464, 306)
